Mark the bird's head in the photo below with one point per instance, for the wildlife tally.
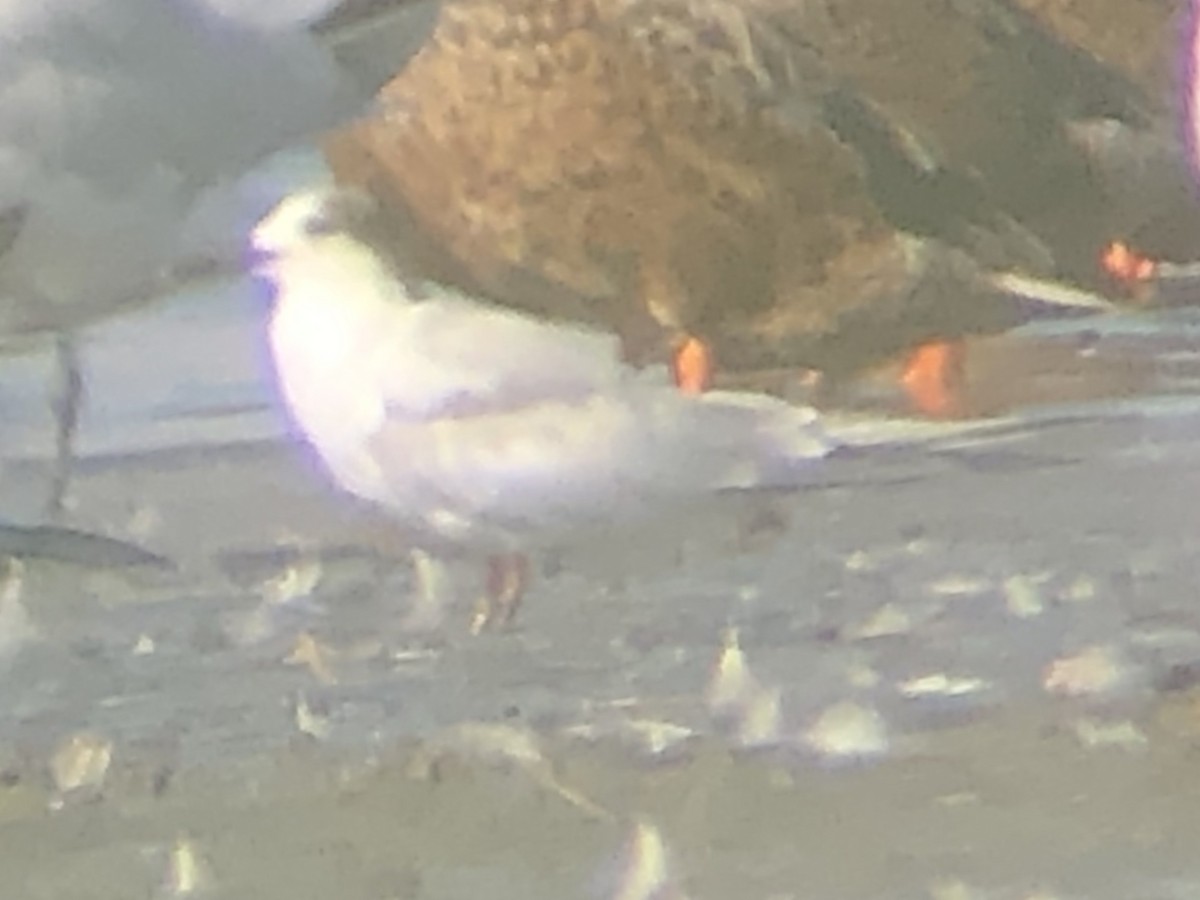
(306, 219)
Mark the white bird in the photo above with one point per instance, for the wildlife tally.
(483, 431)
(116, 116)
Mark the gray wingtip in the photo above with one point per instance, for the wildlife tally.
(1051, 297)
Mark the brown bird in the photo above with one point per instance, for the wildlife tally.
(683, 173)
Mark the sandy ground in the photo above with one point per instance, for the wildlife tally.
(971, 673)
(972, 670)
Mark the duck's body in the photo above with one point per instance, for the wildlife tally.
(676, 169)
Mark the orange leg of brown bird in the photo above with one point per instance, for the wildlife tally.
(693, 366)
(507, 579)
(1132, 272)
(1125, 265)
(934, 378)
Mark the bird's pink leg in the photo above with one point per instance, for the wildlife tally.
(507, 579)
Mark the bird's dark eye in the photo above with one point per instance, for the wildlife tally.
(319, 223)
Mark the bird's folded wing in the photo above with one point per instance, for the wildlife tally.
(607, 457)
(452, 358)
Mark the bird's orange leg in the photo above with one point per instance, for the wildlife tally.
(507, 579)
(934, 378)
(1130, 271)
(1125, 265)
(693, 366)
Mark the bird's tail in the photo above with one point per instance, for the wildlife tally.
(783, 439)
(797, 449)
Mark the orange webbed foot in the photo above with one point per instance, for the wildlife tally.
(934, 378)
(693, 366)
(1128, 268)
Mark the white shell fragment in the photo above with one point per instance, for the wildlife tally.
(889, 620)
(81, 762)
(315, 656)
(655, 738)
(647, 872)
(505, 746)
(960, 586)
(188, 874)
(732, 684)
(939, 684)
(848, 731)
(1095, 670)
(16, 628)
(309, 722)
(761, 723)
(1023, 597)
(296, 582)
(1123, 735)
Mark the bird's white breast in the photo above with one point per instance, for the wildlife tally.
(321, 347)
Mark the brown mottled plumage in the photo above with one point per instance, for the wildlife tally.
(664, 167)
